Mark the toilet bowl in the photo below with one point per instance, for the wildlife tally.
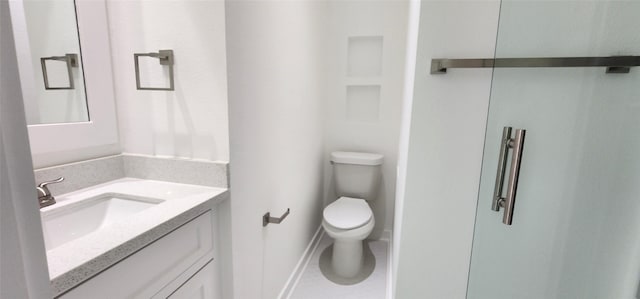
(348, 221)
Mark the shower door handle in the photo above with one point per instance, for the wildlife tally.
(502, 167)
(517, 144)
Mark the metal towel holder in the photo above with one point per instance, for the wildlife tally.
(71, 60)
(165, 57)
(266, 219)
(613, 64)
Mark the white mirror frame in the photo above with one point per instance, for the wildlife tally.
(53, 144)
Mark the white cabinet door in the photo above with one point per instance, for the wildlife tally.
(203, 285)
(148, 271)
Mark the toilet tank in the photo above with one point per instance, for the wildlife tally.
(356, 174)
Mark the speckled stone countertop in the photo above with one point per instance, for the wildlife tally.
(74, 262)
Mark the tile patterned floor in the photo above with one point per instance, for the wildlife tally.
(314, 285)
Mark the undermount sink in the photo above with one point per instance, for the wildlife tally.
(69, 222)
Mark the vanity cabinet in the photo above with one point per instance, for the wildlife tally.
(181, 262)
(199, 286)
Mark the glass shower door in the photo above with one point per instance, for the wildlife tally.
(575, 230)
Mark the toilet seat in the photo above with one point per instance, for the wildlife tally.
(347, 213)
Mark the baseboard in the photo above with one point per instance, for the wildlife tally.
(388, 235)
(302, 265)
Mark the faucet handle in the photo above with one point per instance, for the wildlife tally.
(44, 184)
(44, 195)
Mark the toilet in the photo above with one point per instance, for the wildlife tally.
(349, 219)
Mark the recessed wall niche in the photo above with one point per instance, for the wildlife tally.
(364, 58)
(363, 102)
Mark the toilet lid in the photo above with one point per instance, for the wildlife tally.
(347, 213)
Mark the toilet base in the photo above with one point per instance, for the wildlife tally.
(367, 268)
(347, 257)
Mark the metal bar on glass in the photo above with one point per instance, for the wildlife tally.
(614, 64)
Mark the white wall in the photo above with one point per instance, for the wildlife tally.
(276, 105)
(445, 150)
(23, 264)
(357, 120)
(192, 121)
(413, 25)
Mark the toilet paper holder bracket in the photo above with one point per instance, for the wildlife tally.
(266, 218)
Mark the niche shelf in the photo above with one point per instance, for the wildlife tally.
(364, 56)
(363, 103)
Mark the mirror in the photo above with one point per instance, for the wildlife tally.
(50, 61)
(66, 125)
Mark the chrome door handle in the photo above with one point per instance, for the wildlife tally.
(517, 144)
(502, 167)
(71, 60)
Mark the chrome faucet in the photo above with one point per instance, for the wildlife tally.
(44, 195)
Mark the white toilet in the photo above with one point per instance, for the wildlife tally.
(349, 219)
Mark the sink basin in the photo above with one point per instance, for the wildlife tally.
(66, 223)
